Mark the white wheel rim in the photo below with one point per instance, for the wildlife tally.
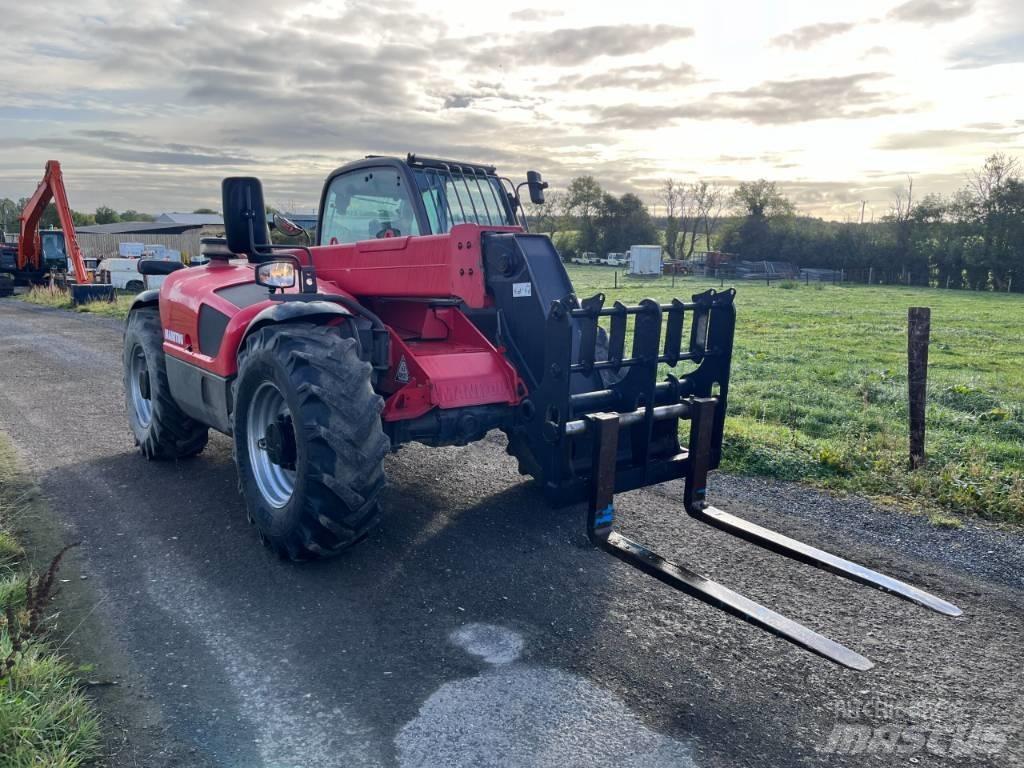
(276, 484)
(141, 403)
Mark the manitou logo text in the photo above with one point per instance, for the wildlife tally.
(174, 337)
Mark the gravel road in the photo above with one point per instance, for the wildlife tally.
(477, 627)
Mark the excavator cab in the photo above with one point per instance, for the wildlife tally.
(54, 251)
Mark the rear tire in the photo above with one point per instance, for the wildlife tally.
(6, 284)
(161, 430)
(135, 286)
(309, 443)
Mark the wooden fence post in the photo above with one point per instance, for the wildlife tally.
(918, 331)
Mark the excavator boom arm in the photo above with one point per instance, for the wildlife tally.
(29, 248)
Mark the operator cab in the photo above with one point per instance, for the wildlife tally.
(54, 250)
(380, 197)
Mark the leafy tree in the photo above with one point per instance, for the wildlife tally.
(133, 215)
(49, 219)
(205, 210)
(761, 199)
(1007, 246)
(584, 195)
(106, 215)
(622, 222)
(549, 215)
(994, 203)
(9, 215)
(582, 204)
(760, 202)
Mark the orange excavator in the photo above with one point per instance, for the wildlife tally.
(43, 255)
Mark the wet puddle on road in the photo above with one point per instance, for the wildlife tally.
(518, 715)
(512, 715)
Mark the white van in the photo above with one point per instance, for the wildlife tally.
(124, 275)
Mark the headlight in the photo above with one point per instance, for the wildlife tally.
(276, 274)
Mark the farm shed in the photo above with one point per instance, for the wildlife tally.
(101, 240)
(204, 220)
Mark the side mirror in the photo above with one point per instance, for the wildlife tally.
(287, 226)
(158, 266)
(245, 218)
(537, 187)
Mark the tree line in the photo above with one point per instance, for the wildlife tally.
(586, 218)
(10, 212)
(972, 239)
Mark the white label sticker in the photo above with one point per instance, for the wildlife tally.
(402, 374)
(174, 337)
(522, 289)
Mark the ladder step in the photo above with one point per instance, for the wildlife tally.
(718, 596)
(805, 553)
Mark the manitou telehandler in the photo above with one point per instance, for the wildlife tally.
(425, 311)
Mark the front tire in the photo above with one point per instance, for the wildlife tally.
(309, 444)
(161, 430)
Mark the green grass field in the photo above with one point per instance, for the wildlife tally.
(819, 389)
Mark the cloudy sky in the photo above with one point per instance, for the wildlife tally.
(148, 104)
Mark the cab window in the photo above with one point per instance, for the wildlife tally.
(451, 198)
(365, 204)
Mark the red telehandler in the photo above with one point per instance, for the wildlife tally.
(42, 255)
(426, 311)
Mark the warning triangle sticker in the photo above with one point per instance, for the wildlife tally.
(402, 374)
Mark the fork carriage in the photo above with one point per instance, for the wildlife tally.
(626, 435)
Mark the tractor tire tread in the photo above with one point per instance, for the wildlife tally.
(171, 433)
(339, 415)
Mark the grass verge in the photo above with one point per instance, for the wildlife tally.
(45, 719)
(61, 299)
(819, 389)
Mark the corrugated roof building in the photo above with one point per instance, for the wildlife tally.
(196, 219)
(102, 240)
(136, 228)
